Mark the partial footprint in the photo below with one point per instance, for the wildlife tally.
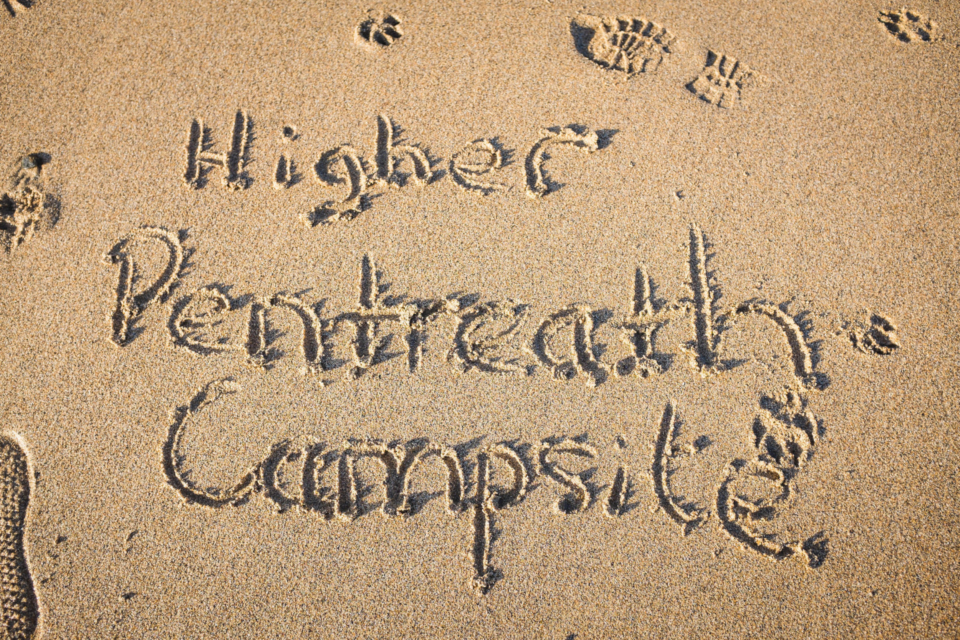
(722, 80)
(379, 28)
(18, 601)
(909, 26)
(632, 45)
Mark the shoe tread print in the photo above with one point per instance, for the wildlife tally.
(18, 600)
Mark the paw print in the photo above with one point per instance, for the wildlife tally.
(22, 207)
(380, 28)
(908, 25)
(880, 338)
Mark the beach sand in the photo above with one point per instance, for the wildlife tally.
(502, 320)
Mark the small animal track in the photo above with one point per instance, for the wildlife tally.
(909, 26)
(24, 205)
(631, 45)
(880, 338)
(13, 6)
(379, 28)
(18, 601)
(722, 80)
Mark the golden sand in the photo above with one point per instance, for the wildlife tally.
(479, 321)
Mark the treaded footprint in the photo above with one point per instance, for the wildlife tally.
(18, 601)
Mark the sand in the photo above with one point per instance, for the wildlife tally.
(538, 320)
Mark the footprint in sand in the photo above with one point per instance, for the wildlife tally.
(18, 601)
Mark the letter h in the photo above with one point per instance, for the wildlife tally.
(230, 162)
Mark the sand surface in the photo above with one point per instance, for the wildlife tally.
(501, 320)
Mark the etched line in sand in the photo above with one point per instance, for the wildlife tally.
(18, 600)
(785, 434)
(580, 496)
(348, 498)
(488, 501)
(231, 162)
(367, 347)
(477, 159)
(737, 515)
(285, 174)
(707, 344)
(390, 153)
(256, 344)
(537, 184)
(316, 460)
(379, 28)
(191, 315)
(487, 336)
(130, 305)
(628, 44)
(722, 80)
(425, 313)
(271, 475)
(908, 25)
(799, 350)
(413, 458)
(749, 496)
(662, 452)
(394, 163)
(579, 318)
(616, 499)
(173, 460)
(311, 338)
(620, 489)
(473, 350)
(640, 327)
(354, 202)
(484, 574)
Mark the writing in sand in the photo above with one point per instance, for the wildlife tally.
(486, 337)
